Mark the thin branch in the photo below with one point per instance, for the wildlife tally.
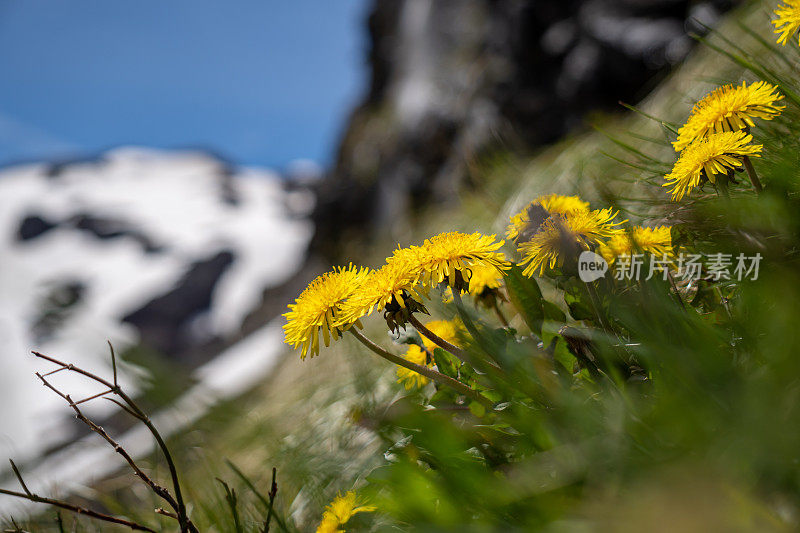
(183, 518)
(54, 371)
(230, 497)
(123, 407)
(262, 499)
(164, 512)
(158, 489)
(98, 395)
(273, 491)
(16, 529)
(113, 362)
(77, 509)
(19, 478)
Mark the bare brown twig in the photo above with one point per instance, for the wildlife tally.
(33, 497)
(273, 491)
(134, 410)
(156, 488)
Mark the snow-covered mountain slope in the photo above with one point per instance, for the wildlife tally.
(172, 248)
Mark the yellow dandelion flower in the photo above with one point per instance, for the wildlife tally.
(394, 281)
(447, 330)
(408, 378)
(550, 204)
(443, 255)
(339, 512)
(565, 236)
(729, 108)
(484, 277)
(318, 308)
(788, 20)
(716, 154)
(656, 241)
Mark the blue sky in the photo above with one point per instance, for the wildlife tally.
(263, 82)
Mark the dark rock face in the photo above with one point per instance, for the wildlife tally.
(168, 322)
(453, 78)
(104, 228)
(33, 226)
(110, 228)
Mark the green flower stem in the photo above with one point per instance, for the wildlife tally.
(443, 344)
(751, 173)
(499, 313)
(464, 315)
(470, 325)
(721, 184)
(429, 373)
(598, 306)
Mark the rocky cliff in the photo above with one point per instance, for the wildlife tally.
(452, 79)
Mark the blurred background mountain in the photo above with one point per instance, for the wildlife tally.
(178, 253)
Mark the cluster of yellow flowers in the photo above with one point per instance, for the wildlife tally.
(337, 300)
(656, 241)
(715, 140)
(550, 232)
(553, 229)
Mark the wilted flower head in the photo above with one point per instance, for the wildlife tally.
(339, 512)
(565, 236)
(525, 223)
(318, 308)
(729, 108)
(716, 154)
(446, 255)
(656, 241)
(788, 20)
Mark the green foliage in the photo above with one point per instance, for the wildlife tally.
(527, 298)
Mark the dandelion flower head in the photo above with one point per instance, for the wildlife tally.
(788, 20)
(716, 154)
(446, 254)
(339, 512)
(393, 282)
(729, 108)
(318, 308)
(483, 278)
(542, 207)
(565, 236)
(656, 241)
(407, 377)
(446, 329)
